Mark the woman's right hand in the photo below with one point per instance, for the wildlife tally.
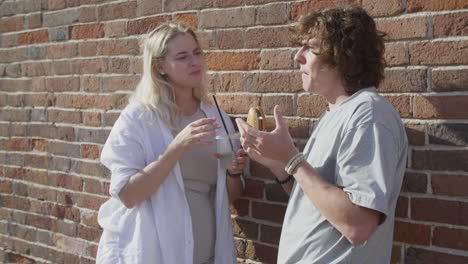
(197, 134)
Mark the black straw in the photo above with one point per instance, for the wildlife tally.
(224, 124)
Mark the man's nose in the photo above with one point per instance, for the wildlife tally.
(299, 58)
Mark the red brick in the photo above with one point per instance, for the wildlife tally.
(254, 189)
(225, 82)
(261, 253)
(189, 19)
(270, 234)
(286, 102)
(402, 207)
(268, 37)
(88, 14)
(64, 149)
(92, 202)
(16, 202)
(226, 18)
(235, 104)
(244, 228)
(87, 31)
(274, 82)
(145, 25)
(303, 8)
(450, 238)
(63, 84)
(91, 119)
(414, 182)
(117, 10)
(33, 37)
(56, 4)
(14, 100)
(89, 234)
(120, 65)
(70, 182)
(62, 67)
(401, 104)
(90, 66)
(65, 212)
(446, 107)
(395, 54)
(91, 168)
(37, 68)
(39, 145)
(187, 5)
(10, 40)
(120, 83)
(62, 51)
(451, 160)
(439, 53)
(136, 65)
(149, 7)
(60, 116)
(41, 193)
(216, 61)
(115, 29)
(89, 218)
(224, 39)
(118, 47)
(35, 100)
(272, 14)
(415, 234)
(449, 80)
(89, 151)
(416, 134)
(34, 20)
(451, 185)
(94, 187)
(240, 207)
(16, 115)
(378, 8)
(15, 85)
(448, 212)
(90, 83)
(18, 144)
(276, 60)
(424, 256)
(403, 28)
(268, 212)
(454, 24)
(434, 5)
(9, 24)
(110, 118)
(404, 81)
(311, 105)
(38, 84)
(72, 3)
(5, 187)
(87, 49)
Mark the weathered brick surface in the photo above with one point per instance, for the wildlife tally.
(403, 28)
(440, 107)
(439, 53)
(67, 68)
(449, 80)
(434, 5)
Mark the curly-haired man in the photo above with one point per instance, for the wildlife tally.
(347, 180)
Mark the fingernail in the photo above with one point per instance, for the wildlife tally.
(214, 118)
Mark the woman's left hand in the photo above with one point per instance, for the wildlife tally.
(238, 163)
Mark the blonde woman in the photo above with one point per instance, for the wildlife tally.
(169, 197)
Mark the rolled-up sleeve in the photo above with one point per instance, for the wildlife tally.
(366, 166)
(124, 153)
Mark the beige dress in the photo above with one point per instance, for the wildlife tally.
(198, 167)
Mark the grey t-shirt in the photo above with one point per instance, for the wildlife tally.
(360, 146)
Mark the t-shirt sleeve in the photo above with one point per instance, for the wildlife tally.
(123, 153)
(366, 166)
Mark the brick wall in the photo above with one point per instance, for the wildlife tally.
(67, 67)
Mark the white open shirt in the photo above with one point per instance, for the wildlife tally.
(159, 230)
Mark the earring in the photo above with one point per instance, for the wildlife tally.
(162, 73)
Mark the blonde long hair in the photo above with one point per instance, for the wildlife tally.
(154, 91)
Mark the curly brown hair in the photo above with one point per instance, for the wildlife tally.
(349, 42)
